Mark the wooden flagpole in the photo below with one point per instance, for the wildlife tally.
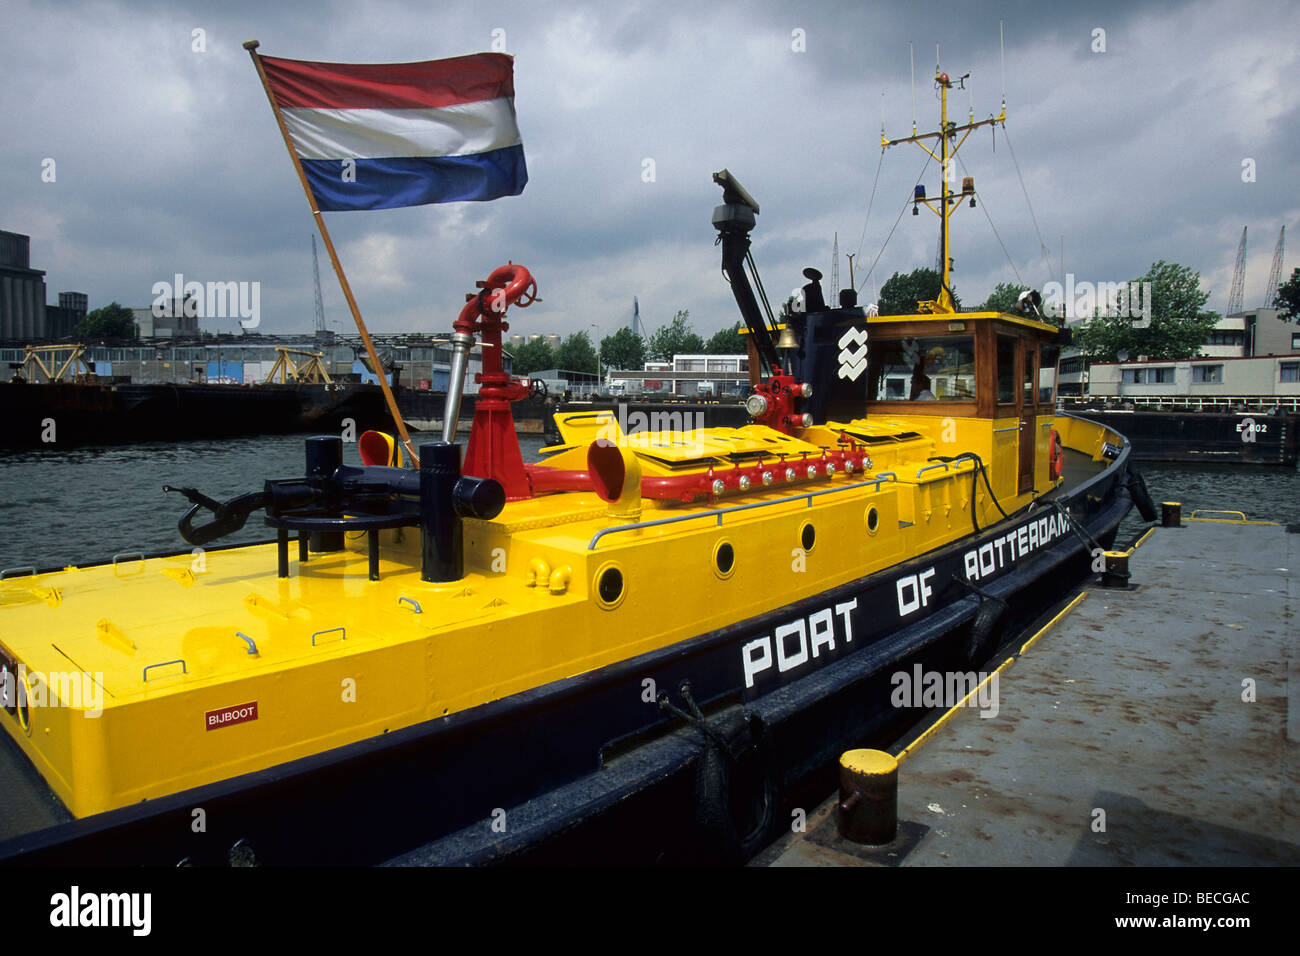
(251, 46)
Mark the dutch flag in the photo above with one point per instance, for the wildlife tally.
(379, 136)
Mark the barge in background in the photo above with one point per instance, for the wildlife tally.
(76, 413)
(1237, 438)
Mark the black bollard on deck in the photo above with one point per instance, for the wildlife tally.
(324, 455)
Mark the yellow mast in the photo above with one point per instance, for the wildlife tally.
(947, 201)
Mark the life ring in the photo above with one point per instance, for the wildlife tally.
(1058, 456)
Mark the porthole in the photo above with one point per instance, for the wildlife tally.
(808, 537)
(724, 559)
(610, 586)
(873, 520)
(25, 695)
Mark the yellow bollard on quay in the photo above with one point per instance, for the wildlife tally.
(868, 807)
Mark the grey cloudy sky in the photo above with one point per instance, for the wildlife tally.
(168, 160)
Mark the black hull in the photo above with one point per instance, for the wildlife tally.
(328, 408)
(1251, 439)
(430, 406)
(589, 768)
(122, 414)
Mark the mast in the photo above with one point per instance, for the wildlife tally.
(947, 200)
(320, 304)
(835, 270)
(945, 173)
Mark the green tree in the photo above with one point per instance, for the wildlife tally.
(1288, 298)
(112, 321)
(675, 338)
(576, 354)
(1003, 298)
(726, 342)
(623, 350)
(532, 357)
(1177, 330)
(899, 295)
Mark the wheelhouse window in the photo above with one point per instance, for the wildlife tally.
(930, 368)
(1210, 374)
(1006, 369)
(1030, 375)
(1047, 374)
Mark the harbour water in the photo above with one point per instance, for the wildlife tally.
(1260, 492)
(87, 504)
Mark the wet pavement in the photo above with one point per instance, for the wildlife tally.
(1154, 726)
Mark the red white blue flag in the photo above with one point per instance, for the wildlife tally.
(379, 136)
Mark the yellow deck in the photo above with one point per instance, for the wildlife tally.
(340, 658)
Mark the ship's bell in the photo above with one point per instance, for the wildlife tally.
(787, 339)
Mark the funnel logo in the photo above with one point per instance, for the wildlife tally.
(853, 353)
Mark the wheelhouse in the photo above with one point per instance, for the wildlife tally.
(982, 377)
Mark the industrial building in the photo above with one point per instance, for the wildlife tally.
(688, 375)
(24, 316)
(1252, 358)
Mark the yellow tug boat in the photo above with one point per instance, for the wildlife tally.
(640, 648)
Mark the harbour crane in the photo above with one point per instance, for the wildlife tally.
(1275, 273)
(1238, 290)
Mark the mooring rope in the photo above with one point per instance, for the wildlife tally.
(985, 206)
(1042, 246)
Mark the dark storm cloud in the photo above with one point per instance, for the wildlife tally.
(169, 160)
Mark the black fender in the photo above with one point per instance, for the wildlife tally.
(1137, 489)
(983, 629)
(735, 790)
